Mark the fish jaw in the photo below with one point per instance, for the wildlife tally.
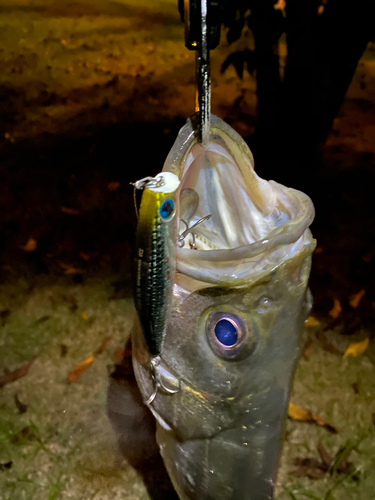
(255, 224)
(232, 408)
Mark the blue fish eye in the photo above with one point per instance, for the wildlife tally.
(167, 209)
(228, 335)
(226, 332)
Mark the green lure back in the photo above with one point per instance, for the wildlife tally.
(155, 248)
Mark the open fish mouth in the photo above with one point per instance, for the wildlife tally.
(254, 225)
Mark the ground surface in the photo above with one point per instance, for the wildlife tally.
(79, 82)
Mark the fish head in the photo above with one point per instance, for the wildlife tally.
(240, 298)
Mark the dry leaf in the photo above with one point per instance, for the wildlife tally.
(308, 349)
(355, 299)
(16, 374)
(69, 269)
(70, 211)
(319, 250)
(30, 245)
(280, 5)
(112, 186)
(336, 309)
(295, 412)
(80, 368)
(325, 456)
(84, 316)
(356, 348)
(118, 356)
(103, 345)
(84, 256)
(311, 321)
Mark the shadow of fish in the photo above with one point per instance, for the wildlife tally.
(231, 339)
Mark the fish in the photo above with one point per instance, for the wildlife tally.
(231, 338)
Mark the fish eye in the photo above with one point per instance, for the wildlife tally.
(226, 333)
(167, 209)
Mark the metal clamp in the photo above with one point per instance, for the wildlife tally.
(202, 33)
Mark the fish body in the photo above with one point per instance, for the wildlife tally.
(155, 257)
(239, 300)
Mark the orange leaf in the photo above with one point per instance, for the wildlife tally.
(70, 211)
(112, 186)
(30, 245)
(355, 299)
(80, 368)
(356, 348)
(84, 256)
(336, 309)
(69, 269)
(295, 412)
(311, 321)
(84, 316)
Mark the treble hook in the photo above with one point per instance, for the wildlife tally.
(154, 364)
(182, 236)
(151, 182)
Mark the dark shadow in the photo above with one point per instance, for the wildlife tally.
(135, 429)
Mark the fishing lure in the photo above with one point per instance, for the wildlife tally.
(155, 256)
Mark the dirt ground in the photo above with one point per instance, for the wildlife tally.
(79, 83)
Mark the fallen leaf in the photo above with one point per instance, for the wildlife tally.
(103, 345)
(355, 387)
(311, 321)
(312, 463)
(72, 270)
(319, 250)
(325, 456)
(21, 407)
(298, 413)
(80, 368)
(356, 348)
(308, 349)
(30, 245)
(25, 434)
(336, 309)
(14, 375)
(112, 186)
(280, 5)
(356, 298)
(63, 350)
(69, 269)
(84, 256)
(69, 211)
(295, 412)
(42, 319)
(84, 316)
(118, 356)
(308, 472)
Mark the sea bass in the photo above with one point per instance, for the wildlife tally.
(231, 339)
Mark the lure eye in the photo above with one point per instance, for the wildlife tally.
(167, 209)
(227, 334)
